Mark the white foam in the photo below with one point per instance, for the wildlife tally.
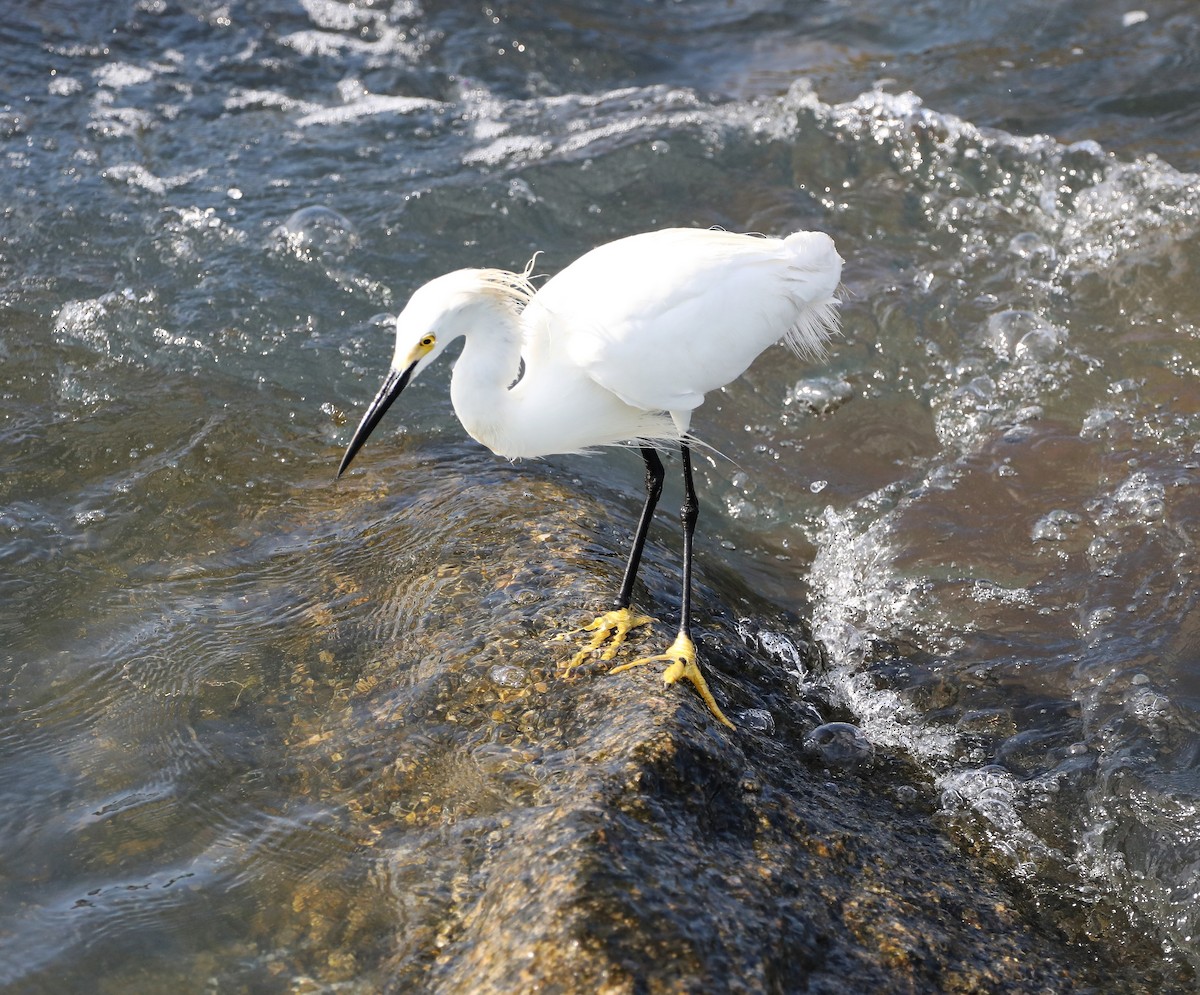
(118, 75)
(369, 106)
(858, 596)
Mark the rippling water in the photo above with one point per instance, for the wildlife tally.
(986, 500)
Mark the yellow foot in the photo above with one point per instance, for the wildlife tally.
(614, 625)
(682, 659)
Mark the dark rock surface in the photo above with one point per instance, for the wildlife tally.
(604, 834)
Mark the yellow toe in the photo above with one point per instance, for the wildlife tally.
(681, 657)
(612, 627)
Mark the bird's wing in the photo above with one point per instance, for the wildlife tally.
(662, 318)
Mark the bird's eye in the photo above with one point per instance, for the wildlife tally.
(428, 341)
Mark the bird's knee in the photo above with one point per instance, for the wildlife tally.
(689, 514)
(654, 481)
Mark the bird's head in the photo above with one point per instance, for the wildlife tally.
(438, 313)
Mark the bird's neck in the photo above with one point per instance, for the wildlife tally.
(479, 387)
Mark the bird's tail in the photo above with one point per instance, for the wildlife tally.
(814, 270)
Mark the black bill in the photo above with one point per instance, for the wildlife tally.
(392, 386)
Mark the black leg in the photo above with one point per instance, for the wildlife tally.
(681, 655)
(688, 515)
(654, 482)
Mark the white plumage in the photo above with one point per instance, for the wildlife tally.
(619, 347)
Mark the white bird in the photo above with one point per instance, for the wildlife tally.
(618, 348)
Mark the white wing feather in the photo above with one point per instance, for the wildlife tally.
(662, 318)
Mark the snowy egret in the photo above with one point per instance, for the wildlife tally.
(618, 348)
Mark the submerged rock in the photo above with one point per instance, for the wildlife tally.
(510, 831)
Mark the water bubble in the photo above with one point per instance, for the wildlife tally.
(967, 412)
(1150, 706)
(819, 394)
(1096, 421)
(1040, 345)
(776, 645)
(519, 189)
(988, 790)
(1129, 385)
(818, 485)
(838, 743)
(1023, 335)
(1006, 328)
(758, 719)
(318, 231)
(1029, 244)
(1141, 498)
(507, 676)
(1099, 618)
(1055, 526)
(1017, 433)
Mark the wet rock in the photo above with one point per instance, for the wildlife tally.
(604, 834)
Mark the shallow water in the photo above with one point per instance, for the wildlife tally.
(985, 500)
